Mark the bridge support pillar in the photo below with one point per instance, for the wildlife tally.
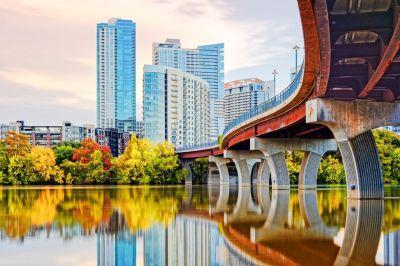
(244, 161)
(263, 173)
(222, 168)
(274, 149)
(351, 124)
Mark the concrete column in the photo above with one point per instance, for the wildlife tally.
(364, 221)
(274, 149)
(351, 124)
(243, 160)
(263, 173)
(222, 168)
(279, 173)
(362, 165)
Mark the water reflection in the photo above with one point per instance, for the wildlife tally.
(214, 225)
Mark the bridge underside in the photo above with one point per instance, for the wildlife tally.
(350, 85)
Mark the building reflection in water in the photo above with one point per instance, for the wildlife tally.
(392, 248)
(214, 225)
(250, 224)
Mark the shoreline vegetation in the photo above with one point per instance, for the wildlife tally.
(87, 163)
(144, 163)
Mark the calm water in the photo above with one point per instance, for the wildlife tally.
(196, 226)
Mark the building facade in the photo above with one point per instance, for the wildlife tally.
(71, 132)
(243, 95)
(206, 62)
(49, 136)
(176, 106)
(116, 75)
(114, 139)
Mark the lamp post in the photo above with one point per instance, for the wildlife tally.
(296, 49)
(274, 73)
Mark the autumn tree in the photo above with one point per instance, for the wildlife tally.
(17, 144)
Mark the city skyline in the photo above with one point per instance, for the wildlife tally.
(59, 73)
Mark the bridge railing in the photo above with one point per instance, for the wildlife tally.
(198, 147)
(259, 109)
(269, 104)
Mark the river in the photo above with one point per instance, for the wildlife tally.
(196, 225)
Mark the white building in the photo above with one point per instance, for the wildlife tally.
(76, 133)
(243, 95)
(206, 62)
(176, 106)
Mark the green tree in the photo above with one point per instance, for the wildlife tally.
(199, 169)
(293, 161)
(3, 163)
(331, 171)
(388, 144)
(63, 153)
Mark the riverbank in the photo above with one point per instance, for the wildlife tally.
(87, 163)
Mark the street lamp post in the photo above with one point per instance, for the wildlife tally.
(274, 73)
(296, 49)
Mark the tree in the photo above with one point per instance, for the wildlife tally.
(293, 161)
(90, 164)
(331, 171)
(63, 153)
(3, 163)
(145, 163)
(388, 144)
(87, 148)
(44, 166)
(17, 144)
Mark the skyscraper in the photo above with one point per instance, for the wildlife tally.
(244, 95)
(206, 62)
(116, 75)
(176, 106)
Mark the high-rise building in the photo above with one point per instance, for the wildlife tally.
(207, 62)
(243, 95)
(176, 106)
(116, 75)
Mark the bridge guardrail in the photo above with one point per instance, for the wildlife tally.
(268, 105)
(259, 109)
(198, 147)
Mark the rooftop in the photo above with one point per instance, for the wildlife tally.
(241, 82)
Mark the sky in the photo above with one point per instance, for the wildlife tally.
(48, 47)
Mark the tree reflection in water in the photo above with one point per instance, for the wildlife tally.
(211, 225)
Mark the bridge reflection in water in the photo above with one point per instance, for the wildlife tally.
(199, 225)
(243, 225)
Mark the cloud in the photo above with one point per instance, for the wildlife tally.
(51, 45)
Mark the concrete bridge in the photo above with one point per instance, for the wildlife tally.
(349, 84)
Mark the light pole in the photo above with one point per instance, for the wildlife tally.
(274, 73)
(296, 49)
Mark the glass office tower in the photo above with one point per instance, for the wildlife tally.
(206, 62)
(116, 75)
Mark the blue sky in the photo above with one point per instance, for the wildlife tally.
(48, 57)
